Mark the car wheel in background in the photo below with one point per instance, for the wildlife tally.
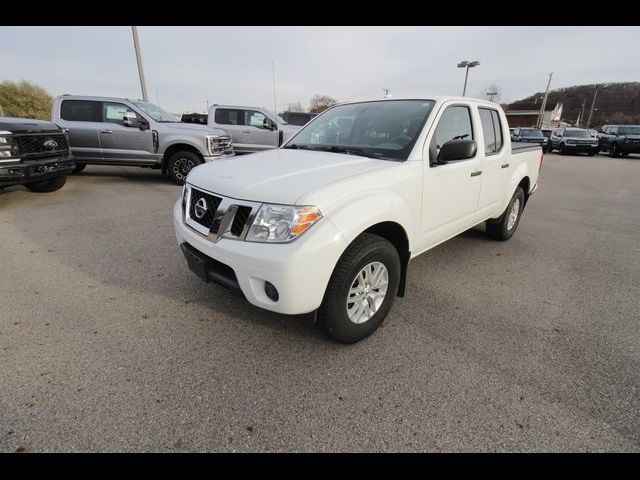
(591, 153)
(48, 185)
(562, 150)
(505, 226)
(180, 164)
(79, 167)
(614, 150)
(361, 290)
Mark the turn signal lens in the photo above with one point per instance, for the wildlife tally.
(306, 218)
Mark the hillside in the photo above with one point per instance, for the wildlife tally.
(616, 103)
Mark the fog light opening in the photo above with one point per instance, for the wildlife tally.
(271, 291)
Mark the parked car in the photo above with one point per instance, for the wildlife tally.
(573, 140)
(329, 222)
(33, 153)
(298, 118)
(252, 129)
(530, 135)
(194, 117)
(620, 139)
(119, 131)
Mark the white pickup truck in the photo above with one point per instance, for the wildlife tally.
(329, 222)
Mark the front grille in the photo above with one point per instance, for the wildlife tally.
(42, 143)
(222, 145)
(222, 217)
(240, 220)
(211, 203)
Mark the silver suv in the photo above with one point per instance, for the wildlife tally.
(253, 129)
(119, 131)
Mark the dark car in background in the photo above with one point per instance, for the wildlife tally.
(620, 139)
(573, 140)
(33, 153)
(530, 135)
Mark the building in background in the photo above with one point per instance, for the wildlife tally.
(529, 117)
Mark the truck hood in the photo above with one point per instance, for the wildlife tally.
(27, 125)
(280, 175)
(193, 128)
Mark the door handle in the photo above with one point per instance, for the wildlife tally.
(475, 174)
(505, 165)
(107, 131)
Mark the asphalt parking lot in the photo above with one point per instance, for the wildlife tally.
(108, 342)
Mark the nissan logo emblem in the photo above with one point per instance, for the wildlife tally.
(51, 144)
(200, 208)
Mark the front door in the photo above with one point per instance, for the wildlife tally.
(449, 192)
(122, 144)
(258, 131)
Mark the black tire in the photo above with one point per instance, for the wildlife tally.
(562, 150)
(79, 167)
(48, 185)
(499, 229)
(549, 148)
(614, 150)
(591, 153)
(180, 164)
(624, 154)
(332, 314)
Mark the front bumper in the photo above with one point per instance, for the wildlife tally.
(581, 148)
(27, 171)
(300, 270)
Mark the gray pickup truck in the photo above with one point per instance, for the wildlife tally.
(119, 131)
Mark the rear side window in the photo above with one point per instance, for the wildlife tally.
(497, 126)
(81, 111)
(227, 116)
(488, 131)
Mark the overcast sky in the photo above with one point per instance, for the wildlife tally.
(186, 66)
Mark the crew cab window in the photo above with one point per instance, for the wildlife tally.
(497, 126)
(228, 116)
(255, 119)
(488, 131)
(114, 112)
(81, 111)
(455, 123)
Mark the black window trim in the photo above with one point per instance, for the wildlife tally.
(495, 139)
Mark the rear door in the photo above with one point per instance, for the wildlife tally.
(496, 168)
(232, 120)
(122, 144)
(81, 118)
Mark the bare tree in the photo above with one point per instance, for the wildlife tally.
(295, 107)
(319, 103)
(491, 92)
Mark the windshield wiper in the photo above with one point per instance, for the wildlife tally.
(347, 150)
(297, 147)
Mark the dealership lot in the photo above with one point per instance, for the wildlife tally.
(108, 342)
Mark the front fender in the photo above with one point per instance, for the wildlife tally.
(356, 213)
(179, 140)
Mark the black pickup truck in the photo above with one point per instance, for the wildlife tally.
(33, 153)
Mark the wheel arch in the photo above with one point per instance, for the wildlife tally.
(178, 147)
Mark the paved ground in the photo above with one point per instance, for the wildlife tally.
(108, 342)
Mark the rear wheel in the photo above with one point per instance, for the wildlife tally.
(180, 164)
(48, 185)
(505, 226)
(614, 150)
(361, 289)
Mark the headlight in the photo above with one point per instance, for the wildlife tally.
(570, 142)
(282, 223)
(8, 147)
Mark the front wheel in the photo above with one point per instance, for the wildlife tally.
(79, 167)
(562, 150)
(48, 185)
(180, 164)
(505, 226)
(361, 290)
(614, 150)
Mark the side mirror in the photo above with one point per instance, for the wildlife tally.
(268, 124)
(457, 150)
(130, 119)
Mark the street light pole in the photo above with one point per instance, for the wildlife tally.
(136, 45)
(595, 95)
(467, 64)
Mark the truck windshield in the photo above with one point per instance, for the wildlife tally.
(629, 130)
(576, 133)
(530, 132)
(155, 112)
(386, 129)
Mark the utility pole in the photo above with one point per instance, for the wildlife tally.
(544, 104)
(136, 45)
(491, 95)
(581, 115)
(592, 105)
